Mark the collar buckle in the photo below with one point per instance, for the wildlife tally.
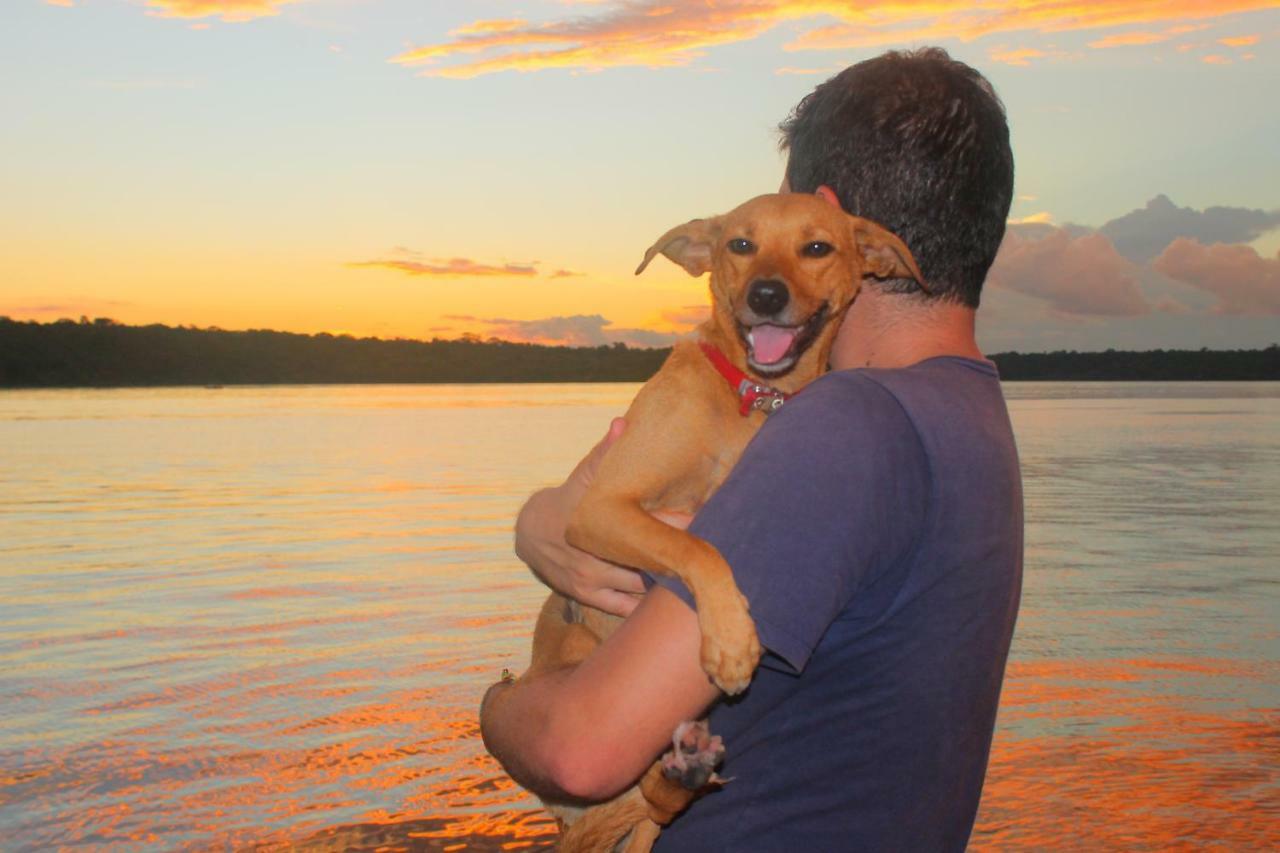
(752, 396)
(759, 398)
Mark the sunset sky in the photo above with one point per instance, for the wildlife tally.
(423, 169)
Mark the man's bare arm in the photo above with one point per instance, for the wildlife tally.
(590, 731)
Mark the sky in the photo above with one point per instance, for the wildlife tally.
(421, 169)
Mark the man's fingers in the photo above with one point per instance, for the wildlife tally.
(612, 601)
(610, 588)
(675, 519)
(623, 580)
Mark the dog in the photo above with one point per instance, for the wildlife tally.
(784, 269)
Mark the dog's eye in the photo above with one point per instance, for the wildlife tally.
(817, 249)
(740, 246)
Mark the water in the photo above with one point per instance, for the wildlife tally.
(263, 617)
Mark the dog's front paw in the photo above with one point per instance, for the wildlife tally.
(730, 647)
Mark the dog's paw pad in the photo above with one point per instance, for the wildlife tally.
(694, 755)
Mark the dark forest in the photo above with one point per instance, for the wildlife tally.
(103, 353)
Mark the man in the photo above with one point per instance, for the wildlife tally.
(874, 524)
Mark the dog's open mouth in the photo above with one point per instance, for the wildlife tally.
(773, 350)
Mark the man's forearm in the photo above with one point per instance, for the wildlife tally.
(517, 724)
(589, 731)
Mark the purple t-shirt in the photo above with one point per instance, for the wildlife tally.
(875, 526)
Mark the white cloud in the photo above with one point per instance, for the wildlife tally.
(1082, 276)
(1243, 281)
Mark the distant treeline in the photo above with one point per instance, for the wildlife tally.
(103, 353)
(1160, 365)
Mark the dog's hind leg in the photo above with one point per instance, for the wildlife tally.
(601, 828)
(558, 640)
(643, 837)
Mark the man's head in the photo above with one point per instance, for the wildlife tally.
(917, 142)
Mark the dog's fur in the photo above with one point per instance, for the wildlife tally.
(684, 432)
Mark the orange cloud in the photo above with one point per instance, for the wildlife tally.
(646, 34)
(231, 11)
(1243, 281)
(452, 268)
(578, 330)
(685, 317)
(1215, 59)
(492, 26)
(1133, 39)
(66, 4)
(1130, 40)
(70, 307)
(898, 23)
(1020, 57)
(656, 33)
(1239, 41)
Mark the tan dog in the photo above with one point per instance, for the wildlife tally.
(783, 270)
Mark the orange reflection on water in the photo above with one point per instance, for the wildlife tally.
(513, 830)
(1091, 755)
(1097, 755)
(417, 749)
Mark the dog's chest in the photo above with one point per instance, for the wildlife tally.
(720, 464)
(699, 480)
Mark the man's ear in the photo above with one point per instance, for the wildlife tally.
(828, 195)
(884, 255)
(688, 245)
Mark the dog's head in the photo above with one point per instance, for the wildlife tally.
(783, 269)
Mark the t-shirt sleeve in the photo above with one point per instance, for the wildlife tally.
(829, 495)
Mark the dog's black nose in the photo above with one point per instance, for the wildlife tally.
(767, 297)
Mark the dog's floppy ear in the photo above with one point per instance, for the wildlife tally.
(688, 245)
(885, 255)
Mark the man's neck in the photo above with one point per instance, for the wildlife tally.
(895, 330)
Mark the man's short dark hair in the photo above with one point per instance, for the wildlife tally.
(917, 142)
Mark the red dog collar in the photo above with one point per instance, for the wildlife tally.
(752, 395)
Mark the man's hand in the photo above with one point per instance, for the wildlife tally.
(540, 541)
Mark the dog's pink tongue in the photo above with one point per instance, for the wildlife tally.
(770, 343)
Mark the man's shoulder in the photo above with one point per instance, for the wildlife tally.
(946, 373)
(944, 387)
(840, 409)
(843, 428)
(859, 392)
(838, 392)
